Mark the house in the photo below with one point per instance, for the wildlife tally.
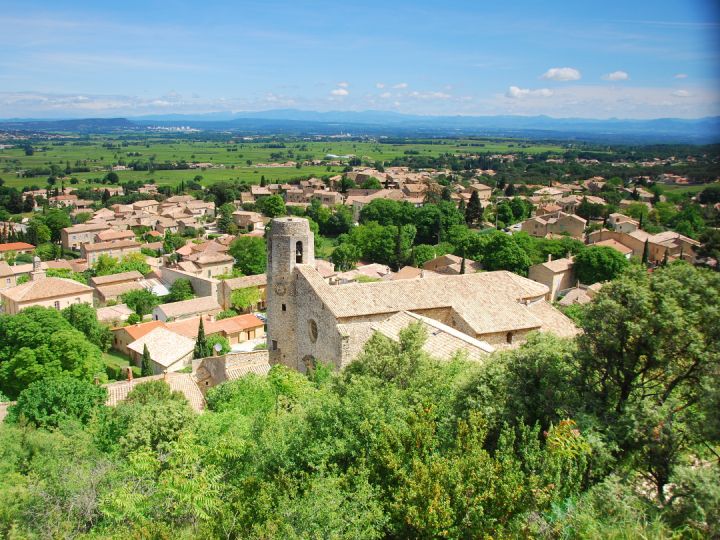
(204, 305)
(451, 265)
(114, 315)
(227, 287)
(15, 247)
(235, 329)
(124, 336)
(484, 192)
(248, 220)
(111, 287)
(214, 370)
(116, 249)
(44, 291)
(557, 275)
(10, 274)
(178, 382)
(208, 265)
(560, 224)
(622, 223)
(168, 351)
(150, 206)
(77, 235)
(675, 244)
(113, 235)
(617, 246)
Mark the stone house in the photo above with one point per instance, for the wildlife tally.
(560, 223)
(558, 276)
(117, 249)
(168, 351)
(44, 291)
(174, 311)
(77, 235)
(227, 287)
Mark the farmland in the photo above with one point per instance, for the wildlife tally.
(230, 159)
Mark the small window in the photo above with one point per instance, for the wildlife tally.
(57, 304)
(313, 331)
(509, 337)
(298, 253)
(274, 345)
(284, 307)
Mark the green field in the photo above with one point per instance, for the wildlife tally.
(100, 153)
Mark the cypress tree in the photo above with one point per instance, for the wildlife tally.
(646, 252)
(146, 367)
(665, 258)
(201, 346)
(474, 211)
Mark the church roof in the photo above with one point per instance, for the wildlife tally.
(487, 302)
(48, 287)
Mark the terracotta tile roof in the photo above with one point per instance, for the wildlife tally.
(137, 331)
(105, 236)
(615, 245)
(48, 287)
(179, 382)
(16, 246)
(117, 289)
(86, 227)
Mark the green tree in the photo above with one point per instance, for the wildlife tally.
(646, 252)
(422, 253)
(38, 343)
(371, 183)
(146, 368)
(201, 346)
(250, 254)
(272, 206)
(48, 402)
(217, 339)
(245, 299)
(83, 317)
(225, 219)
(599, 263)
(141, 301)
(181, 289)
(501, 252)
(345, 256)
(474, 210)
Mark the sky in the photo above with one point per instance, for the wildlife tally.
(609, 59)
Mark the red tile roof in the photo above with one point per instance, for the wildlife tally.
(16, 246)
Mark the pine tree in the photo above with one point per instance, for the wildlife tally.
(146, 366)
(646, 252)
(201, 347)
(474, 211)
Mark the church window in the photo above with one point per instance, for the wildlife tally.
(313, 331)
(284, 307)
(298, 252)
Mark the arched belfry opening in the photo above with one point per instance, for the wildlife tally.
(298, 252)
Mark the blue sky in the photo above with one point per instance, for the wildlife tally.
(625, 59)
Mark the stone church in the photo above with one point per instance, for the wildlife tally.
(476, 314)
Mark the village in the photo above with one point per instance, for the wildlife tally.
(221, 302)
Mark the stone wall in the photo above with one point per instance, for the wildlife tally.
(201, 285)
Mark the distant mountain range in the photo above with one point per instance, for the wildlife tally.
(385, 123)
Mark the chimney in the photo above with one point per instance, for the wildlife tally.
(37, 272)
(129, 373)
(549, 257)
(165, 375)
(96, 380)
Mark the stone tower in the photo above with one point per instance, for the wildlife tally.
(290, 243)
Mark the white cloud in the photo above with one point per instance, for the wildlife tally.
(681, 76)
(340, 92)
(562, 74)
(430, 95)
(681, 93)
(379, 85)
(343, 84)
(386, 95)
(617, 76)
(515, 92)
(400, 85)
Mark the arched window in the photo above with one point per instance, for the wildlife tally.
(298, 252)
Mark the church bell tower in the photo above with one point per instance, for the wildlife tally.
(290, 243)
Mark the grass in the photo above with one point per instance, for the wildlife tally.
(115, 360)
(100, 153)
